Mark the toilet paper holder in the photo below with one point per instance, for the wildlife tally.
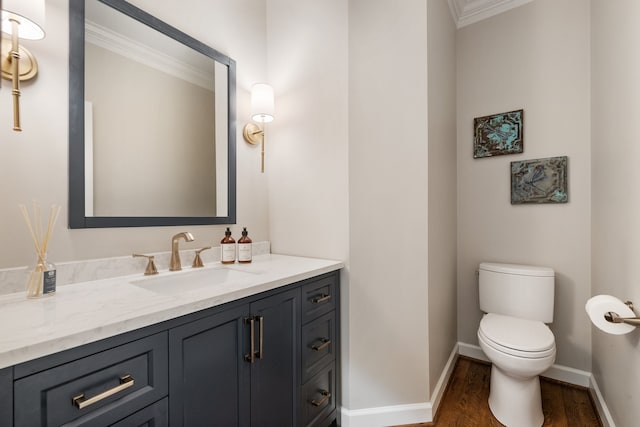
(613, 317)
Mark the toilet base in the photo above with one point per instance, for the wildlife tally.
(515, 402)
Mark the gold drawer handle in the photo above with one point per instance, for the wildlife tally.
(81, 402)
(260, 354)
(321, 299)
(251, 357)
(325, 397)
(324, 343)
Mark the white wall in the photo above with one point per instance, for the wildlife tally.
(34, 162)
(615, 205)
(388, 203)
(441, 35)
(307, 144)
(534, 57)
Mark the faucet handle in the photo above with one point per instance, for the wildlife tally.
(197, 261)
(151, 265)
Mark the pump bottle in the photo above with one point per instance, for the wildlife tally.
(227, 248)
(244, 248)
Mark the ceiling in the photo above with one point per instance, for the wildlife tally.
(467, 12)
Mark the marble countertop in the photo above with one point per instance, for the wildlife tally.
(90, 311)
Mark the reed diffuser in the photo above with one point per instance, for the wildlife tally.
(41, 279)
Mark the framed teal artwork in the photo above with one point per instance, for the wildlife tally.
(498, 134)
(539, 181)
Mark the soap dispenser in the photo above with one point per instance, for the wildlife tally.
(244, 247)
(228, 248)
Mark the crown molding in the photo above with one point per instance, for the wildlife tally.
(115, 42)
(466, 12)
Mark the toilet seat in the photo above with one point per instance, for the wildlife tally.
(517, 337)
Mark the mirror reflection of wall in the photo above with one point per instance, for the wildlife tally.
(156, 115)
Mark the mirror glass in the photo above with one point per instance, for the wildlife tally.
(152, 137)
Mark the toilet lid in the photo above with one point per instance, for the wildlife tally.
(521, 335)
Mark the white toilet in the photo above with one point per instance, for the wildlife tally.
(518, 302)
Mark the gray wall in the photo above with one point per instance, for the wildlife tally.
(441, 48)
(534, 57)
(615, 207)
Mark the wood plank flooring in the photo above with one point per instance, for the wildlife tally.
(464, 403)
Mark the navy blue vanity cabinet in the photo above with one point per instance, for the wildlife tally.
(6, 395)
(267, 360)
(208, 377)
(276, 367)
(100, 389)
(239, 367)
(320, 350)
(156, 415)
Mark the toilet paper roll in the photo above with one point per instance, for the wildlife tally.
(601, 298)
(599, 305)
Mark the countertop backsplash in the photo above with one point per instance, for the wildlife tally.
(14, 279)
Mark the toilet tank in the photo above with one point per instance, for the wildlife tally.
(522, 291)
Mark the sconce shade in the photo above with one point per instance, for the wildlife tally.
(262, 105)
(30, 15)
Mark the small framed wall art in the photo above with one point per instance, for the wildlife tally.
(539, 181)
(498, 134)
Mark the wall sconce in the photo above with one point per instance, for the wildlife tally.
(262, 108)
(21, 19)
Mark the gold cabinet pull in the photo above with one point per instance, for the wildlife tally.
(321, 299)
(260, 354)
(251, 357)
(81, 402)
(324, 342)
(325, 397)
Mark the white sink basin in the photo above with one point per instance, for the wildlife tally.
(178, 282)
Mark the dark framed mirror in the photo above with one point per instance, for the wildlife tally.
(151, 122)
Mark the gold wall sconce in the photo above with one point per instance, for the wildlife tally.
(262, 111)
(21, 19)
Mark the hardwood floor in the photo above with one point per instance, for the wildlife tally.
(465, 401)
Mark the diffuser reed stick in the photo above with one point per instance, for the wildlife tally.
(40, 240)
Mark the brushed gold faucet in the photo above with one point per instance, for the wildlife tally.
(175, 264)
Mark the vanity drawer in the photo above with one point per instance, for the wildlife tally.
(318, 344)
(319, 397)
(318, 297)
(156, 415)
(97, 390)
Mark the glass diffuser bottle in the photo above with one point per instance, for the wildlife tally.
(41, 279)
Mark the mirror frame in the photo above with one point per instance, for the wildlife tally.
(77, 218)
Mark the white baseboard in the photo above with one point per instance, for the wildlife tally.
(424, 412)
(472, 351)
(386, 415)
(441, 386)
(601, 405)
(559, 373)
(402, 414)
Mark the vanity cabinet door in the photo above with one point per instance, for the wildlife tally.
(208, 377)
(214, 381)
(275, 371)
